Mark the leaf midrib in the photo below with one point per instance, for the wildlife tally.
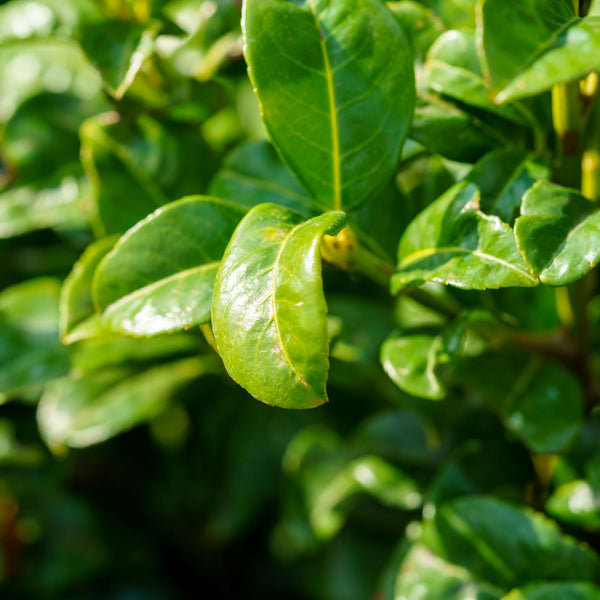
(333, 118)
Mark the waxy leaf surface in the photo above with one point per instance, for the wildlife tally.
(269, 311)
(577, 504)
(160, 275)
(453, 242)
(335, 82)
(558, 233)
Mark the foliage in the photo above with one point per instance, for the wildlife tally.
(400, 227)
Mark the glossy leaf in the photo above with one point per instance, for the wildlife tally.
(80, 411)
(553, 591)
(452, 68)
(503, 177)
(551, 45)
(454, 243)
(118, 50)
(577, 504)
(540, 402)
(76, 302)
(253, 173)
(505, 545)
(424, 575)
(336, 88)
(269, 312)
(410, 362)
(558, 233)
(160, 275)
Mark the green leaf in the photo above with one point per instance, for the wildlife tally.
(30, 350)
(456, 14)
(577, 504)
(118, 49)
(424, 573)
(335, 82)
(410, 362)
(85, 410)
(269, 312)
(253, 173)
(550, 45)
(419, 23)
(558, 233)
(505, 545)
(160, 275)
(446, 130)
(503, 176)
(137, 165)
(76, 302)
(554, 591)
(452, 68)
(454, 243)
(540, 402)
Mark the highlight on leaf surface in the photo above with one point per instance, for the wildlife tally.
(269, 310)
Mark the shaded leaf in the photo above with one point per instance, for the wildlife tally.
(76, 302)
(80, 411)
(540, 402)
(269, 312)
(558, 233)
(160, 275)
(118, 49)
(454, 243)
(336, 87)
(505, 545)
(503, 176)
(253, 173)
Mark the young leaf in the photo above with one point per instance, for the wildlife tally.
(554, 591)
(160, 275)
(454, 243)
(335, 82)
(76, 302)
(558, 233)
(503, 177)
(269, 312)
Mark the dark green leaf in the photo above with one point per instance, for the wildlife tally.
(336, 87)
(269, 312)
(503, 177)
(253, 174)
(554, 591)
(454, 243)
(118, 49)
(76, 302)
(540, 402)
(505, 545)
(558, 233)
(160, 275)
